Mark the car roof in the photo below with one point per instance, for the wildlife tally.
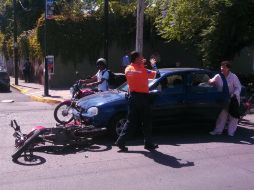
(181, 69)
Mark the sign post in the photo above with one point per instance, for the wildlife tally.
(139, 26)
(15, 44)
(51, 64)
(49, 9)
(49, 12)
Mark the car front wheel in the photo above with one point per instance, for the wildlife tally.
(116, 125)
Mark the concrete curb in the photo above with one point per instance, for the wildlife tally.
(37, 98)
(45, 99)
(23, 91)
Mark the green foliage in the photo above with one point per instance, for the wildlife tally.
(69, 8)
(1, 40)
(218, 29)
(72, 38)
(74, 33)
(6, 16)
(75, 37)
(28, 14)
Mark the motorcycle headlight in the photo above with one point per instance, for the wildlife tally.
(92, 111)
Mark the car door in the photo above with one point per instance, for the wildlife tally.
(169, 106)
(203, 101)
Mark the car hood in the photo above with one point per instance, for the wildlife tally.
(101, 98)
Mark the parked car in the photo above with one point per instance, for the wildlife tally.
(4, 80)
(180, 95)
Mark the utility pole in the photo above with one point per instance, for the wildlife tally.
(48, 14)
(46, 74)
(15, 44)
(139, 26)
(106, 29)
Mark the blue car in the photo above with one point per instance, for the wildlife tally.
(179, 95)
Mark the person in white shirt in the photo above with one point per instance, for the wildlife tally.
(101, 78)
(234, 88)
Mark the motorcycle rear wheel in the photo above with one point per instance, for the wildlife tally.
(61, 111)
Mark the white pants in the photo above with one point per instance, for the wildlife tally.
(222, 120)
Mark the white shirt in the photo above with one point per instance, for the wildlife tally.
(103, 75)
(234, 85)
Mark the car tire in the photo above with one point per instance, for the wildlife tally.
(116, 124)
(8, 89)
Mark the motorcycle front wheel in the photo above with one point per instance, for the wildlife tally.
(63, 113)
(28, 142)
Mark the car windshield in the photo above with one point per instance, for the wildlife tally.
(124, 87)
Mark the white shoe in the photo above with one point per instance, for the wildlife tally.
(215, 133)
(230, 135)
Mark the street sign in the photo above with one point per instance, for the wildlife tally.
(50, 63)
(49, 9)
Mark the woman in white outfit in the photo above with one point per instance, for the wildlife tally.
(234, 88)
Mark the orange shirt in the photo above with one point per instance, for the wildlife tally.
(137, 77)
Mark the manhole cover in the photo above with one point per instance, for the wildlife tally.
(7, 101)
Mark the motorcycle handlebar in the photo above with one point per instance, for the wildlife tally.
(15, 125)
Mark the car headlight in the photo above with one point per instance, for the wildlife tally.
(92, 111)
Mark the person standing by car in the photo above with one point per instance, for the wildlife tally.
(100, 78)
(138, 102)
(152, 64)
(233, 90)
(27, 70)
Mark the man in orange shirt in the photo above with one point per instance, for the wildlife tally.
(138, 103)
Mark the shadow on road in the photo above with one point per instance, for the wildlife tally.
(174, 136)
(65, 150)
(5, 91)
(194, 135)
(34, 160)
(164, 159)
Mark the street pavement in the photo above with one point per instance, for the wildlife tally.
(187, 159)
(36, 92)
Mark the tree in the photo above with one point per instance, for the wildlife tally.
(218, 29)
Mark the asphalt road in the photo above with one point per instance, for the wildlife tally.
(186, 159)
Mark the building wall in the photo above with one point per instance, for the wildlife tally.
(64, 73)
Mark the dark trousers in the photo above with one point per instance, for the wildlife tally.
(139, 113)
(26, 76)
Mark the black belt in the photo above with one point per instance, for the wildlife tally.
(139, 93)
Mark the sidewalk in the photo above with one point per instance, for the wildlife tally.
(36, 92)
